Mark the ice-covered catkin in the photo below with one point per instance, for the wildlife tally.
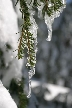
(33, 30)
(49, 20)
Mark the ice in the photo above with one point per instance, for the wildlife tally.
(29, 94)
(33, 30)
(49, 20)
(40, 7)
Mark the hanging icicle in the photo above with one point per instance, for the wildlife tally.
(50, 19)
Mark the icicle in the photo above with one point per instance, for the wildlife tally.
(29, 94)
(33, 30)
(49, 20)
(31, 73)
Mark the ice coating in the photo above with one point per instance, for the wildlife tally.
(33, 30)
(49, 20)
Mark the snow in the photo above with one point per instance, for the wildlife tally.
(55, 90)
(5, 99)
(8, 30)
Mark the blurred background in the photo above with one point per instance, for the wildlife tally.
(52, 82)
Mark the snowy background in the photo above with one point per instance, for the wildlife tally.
(52, 83)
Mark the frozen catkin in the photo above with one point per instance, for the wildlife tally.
(50, 19)
(33, 30)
